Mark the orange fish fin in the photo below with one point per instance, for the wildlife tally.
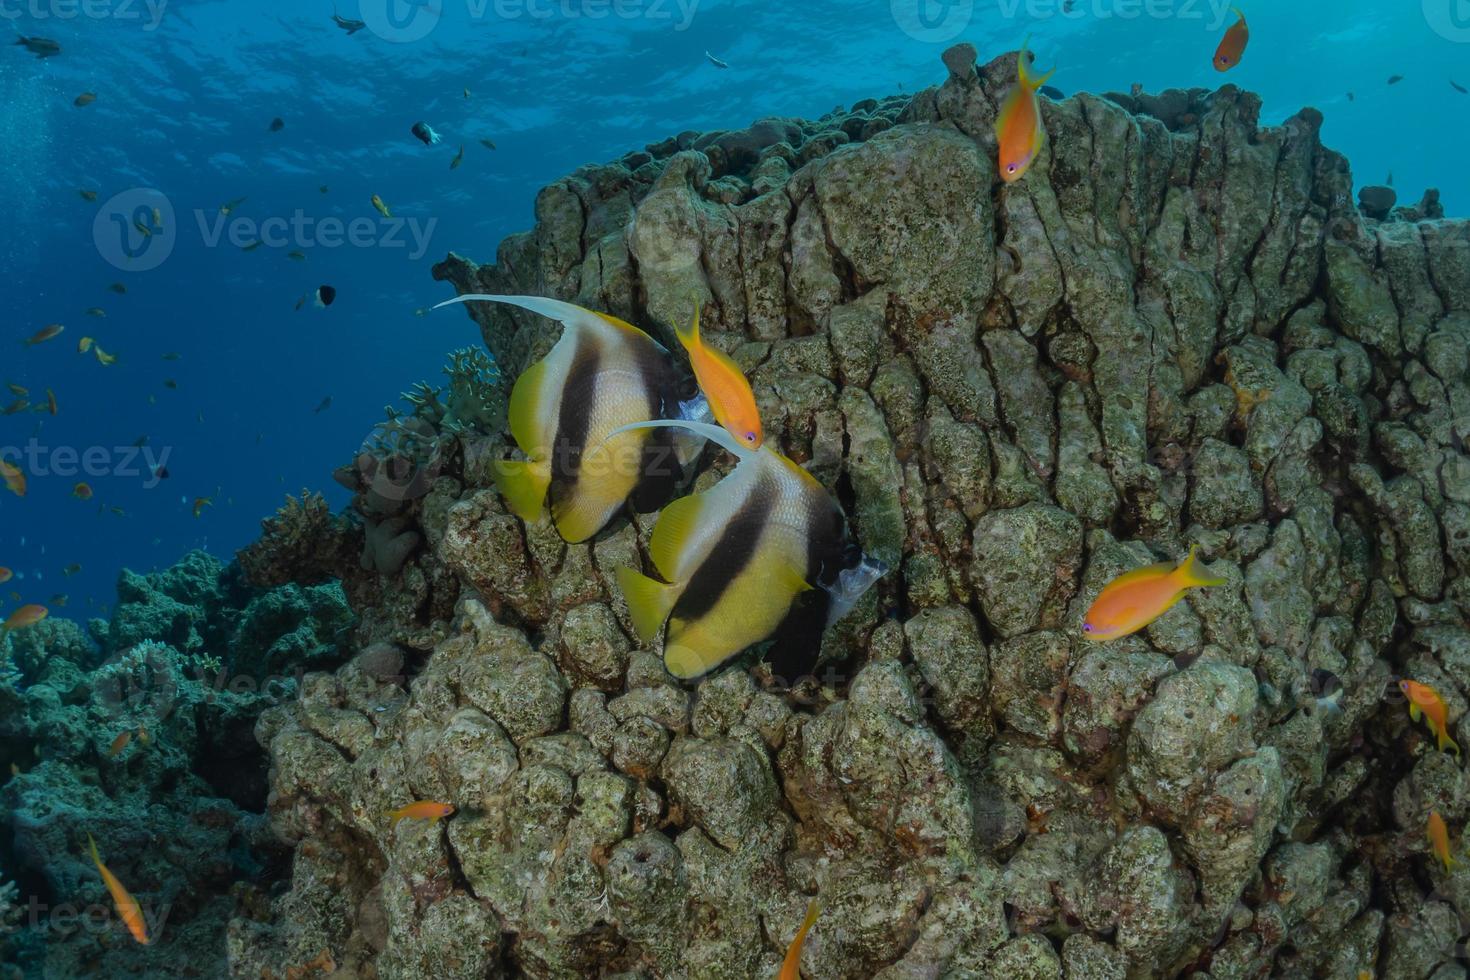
(1191, 574)
(523, 484)
(649, 602)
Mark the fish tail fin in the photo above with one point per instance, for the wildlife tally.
(649, 602)
(1444, 739)
(397, 817)
(1239, 13)
(689, 336)
(1191, 574)
(93, 845)
(1023, 72)
(813, 909)
(523, 484)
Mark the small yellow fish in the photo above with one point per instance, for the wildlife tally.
(791, 965)
(88, 195)
(127, 906)
(5, 575)
(17, 406)
(1134, 599)
(71, 569)
(15, 480)
(1439, 839)
(103, 357)
(252, 246)
(382, 208)
(18, 390)
(82, 491)
(200, 503)
(84, 345)
(143, 229)
(488, 144)
(429, 810)
(97, 311)
(1425, 700)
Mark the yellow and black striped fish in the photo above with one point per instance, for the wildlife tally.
(766, 545)
(601, 375)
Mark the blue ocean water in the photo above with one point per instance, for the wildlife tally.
(185, 98)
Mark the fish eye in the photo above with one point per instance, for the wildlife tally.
(1011, 169)
(1087, 627)
(750, 437)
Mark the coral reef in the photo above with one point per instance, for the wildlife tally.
(303, 543)
(1178, 330)
(145, 741)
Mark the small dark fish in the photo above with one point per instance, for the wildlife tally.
(71, 569)
(161, 472)
(326, 404)
(85, 99)
(172, 356)
(17, 406)
(488, 144)
(41, 47)
(458, 158)
(118, 288)
(88, 195)
(170, 384)
(1459, 88)
(1389, 181)
(1068, 6)
(324, 188)
(1352, 97)
(277, 124)
(325, 296)
(252, 246)
(296, 256)
(715, 61)
(348, 25)
(231, 205)
(425, 133)
(140, 442)
(300, 303)
(97, 311)
(1395, 79)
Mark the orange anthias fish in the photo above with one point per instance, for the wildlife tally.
(1018, 127)
(23, 617)
(118, 744)
(127, 906)
(723, 383)
(791, 965)
(1425, 700)
(200, 503)
(422, 810)
(6, 575)
(15, 480)
(1439, 839)
(1232, 45)
(1134, 599)
(82, 491)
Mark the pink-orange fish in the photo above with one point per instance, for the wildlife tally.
(15, 480)
(127, 906)
(1439, 839)
(82, 491)
(724, 384)
(1134, 599)
(1018, 127)
(429, 810)
(1232, 45)
(23, 617)
(1425, 701)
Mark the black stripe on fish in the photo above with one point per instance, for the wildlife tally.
(574, 418)
(730, 556)
(830, 550)
(660, 472)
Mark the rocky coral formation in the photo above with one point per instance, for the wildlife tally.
(142, 736)
(1177, 330)
(303, 543)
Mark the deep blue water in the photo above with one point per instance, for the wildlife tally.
(186, 93)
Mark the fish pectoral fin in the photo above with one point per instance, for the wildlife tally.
(1414, 713)
(649, 602)
(676, 526)
(523, 484)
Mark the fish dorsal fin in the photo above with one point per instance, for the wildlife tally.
(676, 527)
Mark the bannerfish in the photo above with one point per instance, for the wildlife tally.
(791, 965)
(723, 383)
(429, 810)
(1439, 839)
(1134, 599)
(23, 617)
(766, 551)
(602, 373)
(715, 61)
(425, 133)
(1232, 45)
(1018, 126)
(41, 47)
(1425, 701)
(325, 296)
(128, 908)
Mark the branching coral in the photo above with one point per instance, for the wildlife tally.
(304, 542)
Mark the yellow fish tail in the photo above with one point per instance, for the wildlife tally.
(1024, 75)
(813, 910)
(1444, 739)
(523, 483)
(649, 602)
(689, 336)
(1191, 574)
